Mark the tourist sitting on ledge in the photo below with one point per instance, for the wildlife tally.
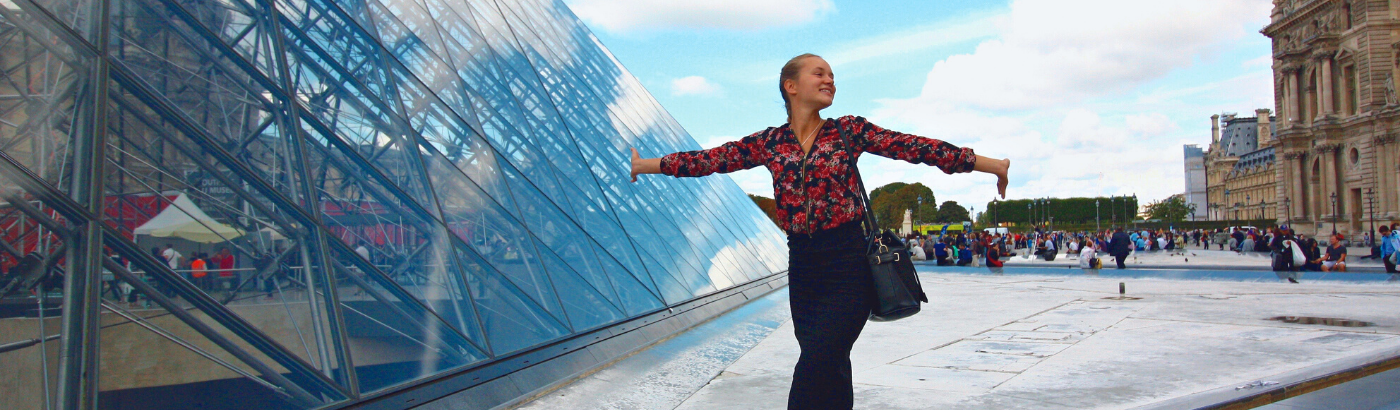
(1336, 259)
(940, 254)
(994, 256)
(1314, 256)
(964, 256)
(1045, 250)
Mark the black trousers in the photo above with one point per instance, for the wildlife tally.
(1389, 267)
(831, 293)
(1120, 259)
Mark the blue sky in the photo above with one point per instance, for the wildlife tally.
(1086, 97)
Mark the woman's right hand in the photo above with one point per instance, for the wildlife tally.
(644, 165)
(636, 164)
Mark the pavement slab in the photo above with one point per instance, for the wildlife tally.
(1065, 341)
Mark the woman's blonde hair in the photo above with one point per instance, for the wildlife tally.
(790, 72)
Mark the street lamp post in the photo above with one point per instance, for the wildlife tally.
(1039, 209)
(1261, 209)
(1030, 220)
(1096, 216)
(1370, 204)
(1133, 215)
(1287, 211)
(995, 205)
(1246, 205)
(1334, 211)
(1227, 201)
(920, 217)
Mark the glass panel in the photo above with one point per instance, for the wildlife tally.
(400, 240)
(239, 24)
(393, 337)
(209, 91)
(223, 232)
(493, 234)
(32, 294)
(636, 298)
(152, 359)
(51, 82)
(583, 300)
(511, 319)
(671, 288)
(351, 102)
(76, 15)
(323, 29)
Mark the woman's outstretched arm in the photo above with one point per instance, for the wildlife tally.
(747, 152)
(996, 167)
(644, 165)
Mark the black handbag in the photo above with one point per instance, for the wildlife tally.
(897, 288)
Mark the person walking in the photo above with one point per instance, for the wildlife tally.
(1390, 244)
(819, 206)
(1120, 246)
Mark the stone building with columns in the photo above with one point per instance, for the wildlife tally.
(1338, 116)
(1241, 181)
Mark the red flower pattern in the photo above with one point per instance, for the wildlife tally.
(819, 191)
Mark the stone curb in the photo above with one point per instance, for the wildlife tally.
(1290, 384)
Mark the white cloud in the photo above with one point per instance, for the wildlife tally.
(620, 16)
(1150, 124)
(1054, 51)
(714, 141)
(1266, 60)
(693, 85)
(1062, 90)
(915, 40)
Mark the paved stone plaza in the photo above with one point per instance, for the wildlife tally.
(1023, 341)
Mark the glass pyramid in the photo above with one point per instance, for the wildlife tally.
(303, 203)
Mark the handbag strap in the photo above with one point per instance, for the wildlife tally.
(871, 231)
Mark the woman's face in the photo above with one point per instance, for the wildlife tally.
(815, 84)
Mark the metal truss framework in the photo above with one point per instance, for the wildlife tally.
(477, 147)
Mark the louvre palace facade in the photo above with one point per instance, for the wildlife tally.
(1335, 68)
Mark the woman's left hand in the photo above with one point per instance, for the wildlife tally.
(1002, 180)
(998, 167)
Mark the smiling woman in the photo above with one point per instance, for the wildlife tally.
(819, 204)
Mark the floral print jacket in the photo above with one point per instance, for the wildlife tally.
(817, 190)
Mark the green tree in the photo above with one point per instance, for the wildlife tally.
(768, 205)
(881, 191)
(1173, 209)
(890, 204)
(950, 212)
(1109, 210)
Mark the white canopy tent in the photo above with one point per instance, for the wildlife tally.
(183, 219)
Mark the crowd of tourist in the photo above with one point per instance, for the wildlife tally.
(1288, 251)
